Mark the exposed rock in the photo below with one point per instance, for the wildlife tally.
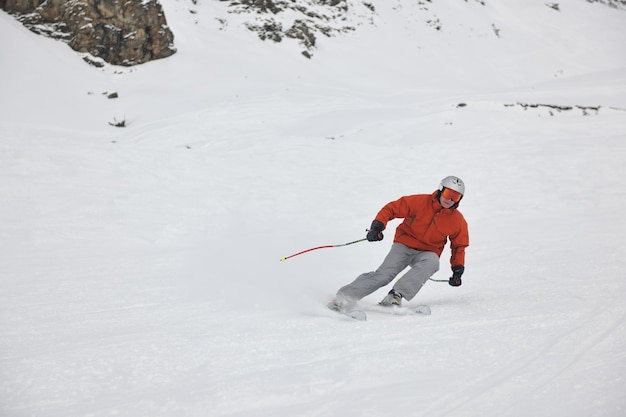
(617, 4)
(586, 110)
(303, 20)
(120, 32)
(129, 32)
(300, 30)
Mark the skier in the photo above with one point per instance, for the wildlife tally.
(429, 220)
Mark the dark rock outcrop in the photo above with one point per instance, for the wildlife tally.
(275, 20)
(616, 4)
(127, 32)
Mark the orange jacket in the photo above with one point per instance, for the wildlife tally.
(427, 225)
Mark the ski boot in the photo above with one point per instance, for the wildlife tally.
(392, 299)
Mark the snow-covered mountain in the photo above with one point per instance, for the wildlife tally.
(141, 271)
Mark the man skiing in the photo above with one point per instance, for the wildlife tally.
(429, 221)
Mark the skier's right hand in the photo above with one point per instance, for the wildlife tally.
(376, 231)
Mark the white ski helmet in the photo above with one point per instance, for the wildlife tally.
(453, 183)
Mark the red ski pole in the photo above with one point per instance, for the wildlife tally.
(322, 247)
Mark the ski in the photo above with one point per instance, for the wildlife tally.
(358, 315)
(355, 315)
(422, 310)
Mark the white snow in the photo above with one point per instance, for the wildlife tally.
(140, 271)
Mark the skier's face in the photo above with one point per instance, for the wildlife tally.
(449, 197)
(446, 202)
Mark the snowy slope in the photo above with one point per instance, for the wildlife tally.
(140, 273)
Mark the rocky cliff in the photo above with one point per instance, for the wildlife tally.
(132, 32)
(124, 33)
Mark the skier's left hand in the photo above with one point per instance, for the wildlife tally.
(455, 279)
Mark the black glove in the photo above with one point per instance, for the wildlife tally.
(455, 279)
(376, 231)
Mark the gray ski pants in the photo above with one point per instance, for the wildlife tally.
(423, 266)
